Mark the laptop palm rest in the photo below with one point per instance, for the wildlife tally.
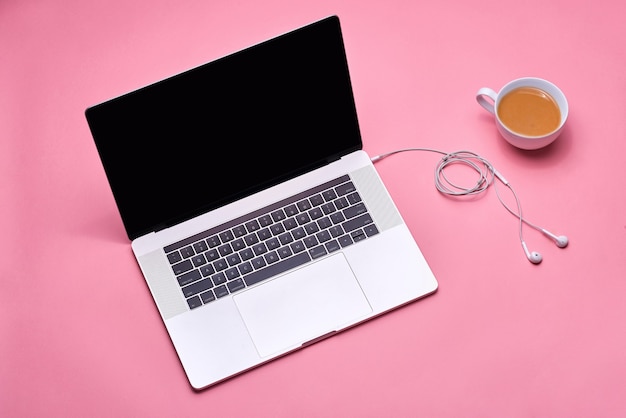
(302, 305)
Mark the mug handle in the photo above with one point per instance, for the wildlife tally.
(481, 98)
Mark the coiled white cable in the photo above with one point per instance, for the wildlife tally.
(486, 177)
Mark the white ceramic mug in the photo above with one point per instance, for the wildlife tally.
(490, 100)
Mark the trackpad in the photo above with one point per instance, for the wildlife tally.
(302, 305)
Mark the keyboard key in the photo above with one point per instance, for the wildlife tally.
(311, 228)
(297, 247)
(258, 263)
(238, 244)
(291, 210)
(303, 218)
(225, 249)
(285, 238)
(278, 215)
(345, 188)
(358, 235)
(232, 273)
(354, 198)
(221, 291)
(329, 195)
(259, 249)
(253, 225)
(207, 296)
(304, 205)
(332, 246)
(317, 252)
(323, 236)
(328, 208)
(227, 236)
(197, 287)
(264, 234)
(271, 257)
(337, 217)
(198, 260)
(284, 252)
(245, 268)
(355, 210)
(336, 231)
(220, 264)
(265, 220)
(194, 302)
(174, 257)
(324, 223)
(251, 239)
(370, 230)
(218, 278)
(277, 268)
(239, 231)
(298, 233)
(310, 242)
(212, 255)
(200, 247)
(345, 240)
(316, 200)
(189, 277)
(316, 213)
(246, 254)
(290, 223)
(233, 259)
(341, 203)
(182, 267)
(235, 285)
(357, 222)
(272, 244)
(187, 252)
(277, 229)
(213, 241)
(207, 270)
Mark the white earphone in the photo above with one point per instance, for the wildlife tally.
(487, 173)
(534, 257)
(561, 241)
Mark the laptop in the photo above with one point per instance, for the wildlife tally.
(259, 223)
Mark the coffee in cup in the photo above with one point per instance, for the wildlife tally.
(530, 112)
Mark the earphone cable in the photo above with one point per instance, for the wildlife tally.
(486, 177)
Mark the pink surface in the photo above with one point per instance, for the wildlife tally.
(80, 335)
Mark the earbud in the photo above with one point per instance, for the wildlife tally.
(534, 257)
(561, 241)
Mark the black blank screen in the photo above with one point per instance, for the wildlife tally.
(228, 128)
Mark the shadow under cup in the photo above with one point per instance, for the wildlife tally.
(517, 139)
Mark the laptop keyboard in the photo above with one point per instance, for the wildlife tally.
(269, 241)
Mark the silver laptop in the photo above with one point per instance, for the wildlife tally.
(258, 222)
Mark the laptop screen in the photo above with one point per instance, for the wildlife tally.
(226, 129)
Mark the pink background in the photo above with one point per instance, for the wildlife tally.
(80, 335)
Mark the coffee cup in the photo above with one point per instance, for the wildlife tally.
(530, 112)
